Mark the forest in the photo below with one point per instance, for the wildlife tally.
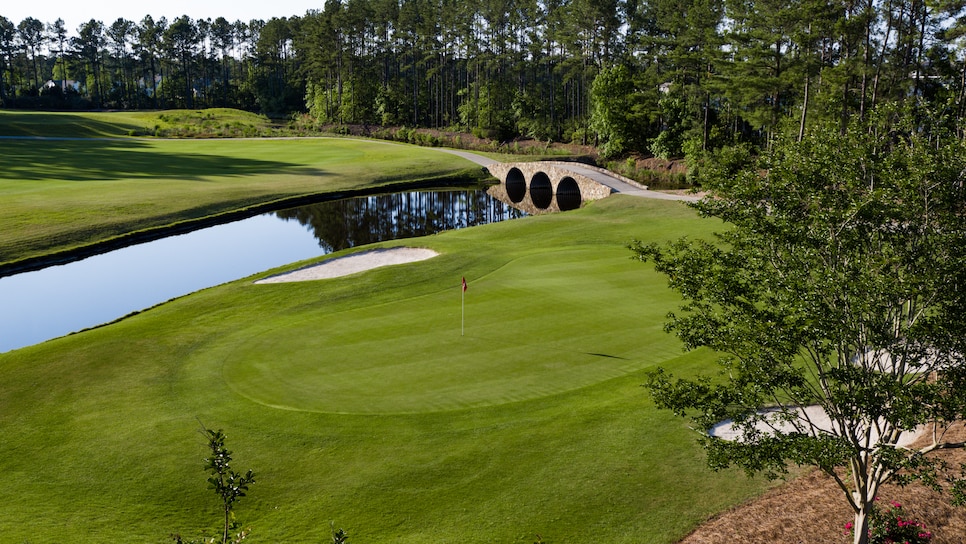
(658, 77)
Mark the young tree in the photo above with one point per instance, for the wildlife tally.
(224, 481)
(837, 284)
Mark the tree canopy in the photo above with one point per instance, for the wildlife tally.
(694, 74)
(837, 284)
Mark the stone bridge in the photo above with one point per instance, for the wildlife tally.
(545, 186)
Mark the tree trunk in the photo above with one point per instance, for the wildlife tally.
(922, 38)
(224, 540)
(3, 93)
(866, 61)
(801, 123)
(962, 97)
(860, 534)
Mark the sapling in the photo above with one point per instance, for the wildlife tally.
(226, 483)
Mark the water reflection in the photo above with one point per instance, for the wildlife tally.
(57, 300)
(360, 221)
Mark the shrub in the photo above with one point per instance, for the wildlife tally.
(892, 527)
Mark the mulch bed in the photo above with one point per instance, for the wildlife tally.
(812, 509)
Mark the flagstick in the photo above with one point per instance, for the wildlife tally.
(462, 307)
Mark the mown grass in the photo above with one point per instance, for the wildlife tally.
(72, 125)
(210, 123)
(62, 194)
(357, 401)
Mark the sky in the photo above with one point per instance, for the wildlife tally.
(75, 12)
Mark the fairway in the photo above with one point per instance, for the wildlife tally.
(66, 194)
(355, 400)
(538, 325)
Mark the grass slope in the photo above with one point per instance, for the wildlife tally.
(61, 194)
(356, 400)
(209, 122)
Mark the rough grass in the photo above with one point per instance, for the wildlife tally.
(395, 427)
(211, 123)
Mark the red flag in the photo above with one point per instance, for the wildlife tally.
(464, 284)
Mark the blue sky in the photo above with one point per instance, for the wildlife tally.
(75, 12)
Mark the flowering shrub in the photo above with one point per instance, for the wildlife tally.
(891, 527)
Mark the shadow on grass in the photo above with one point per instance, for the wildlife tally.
(606, 356)
(86, 160)
(60, 125)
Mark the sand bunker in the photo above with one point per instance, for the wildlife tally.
(351, 264)
(809, 416)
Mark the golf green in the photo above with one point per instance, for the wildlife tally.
(356, 400)
(529, 331)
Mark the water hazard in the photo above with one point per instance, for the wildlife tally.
(55, 301)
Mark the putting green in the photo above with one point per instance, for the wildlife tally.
(408, 355)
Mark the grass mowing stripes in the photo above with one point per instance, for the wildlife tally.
(355, 400)
(353, 361)
(210, 122)
(63, 194)
(394, 427)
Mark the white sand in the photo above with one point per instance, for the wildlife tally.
(351, 264)
(809, 416)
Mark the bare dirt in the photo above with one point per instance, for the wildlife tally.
(813, 510)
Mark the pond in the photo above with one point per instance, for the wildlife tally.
(58, 300)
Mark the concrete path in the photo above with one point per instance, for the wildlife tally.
(614, 183)
(478, 159)
(623, 187)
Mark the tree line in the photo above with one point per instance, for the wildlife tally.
(661, 76)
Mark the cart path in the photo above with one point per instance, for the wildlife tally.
(599, 175)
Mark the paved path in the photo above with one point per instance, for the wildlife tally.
(478, 159)
(614, 183)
